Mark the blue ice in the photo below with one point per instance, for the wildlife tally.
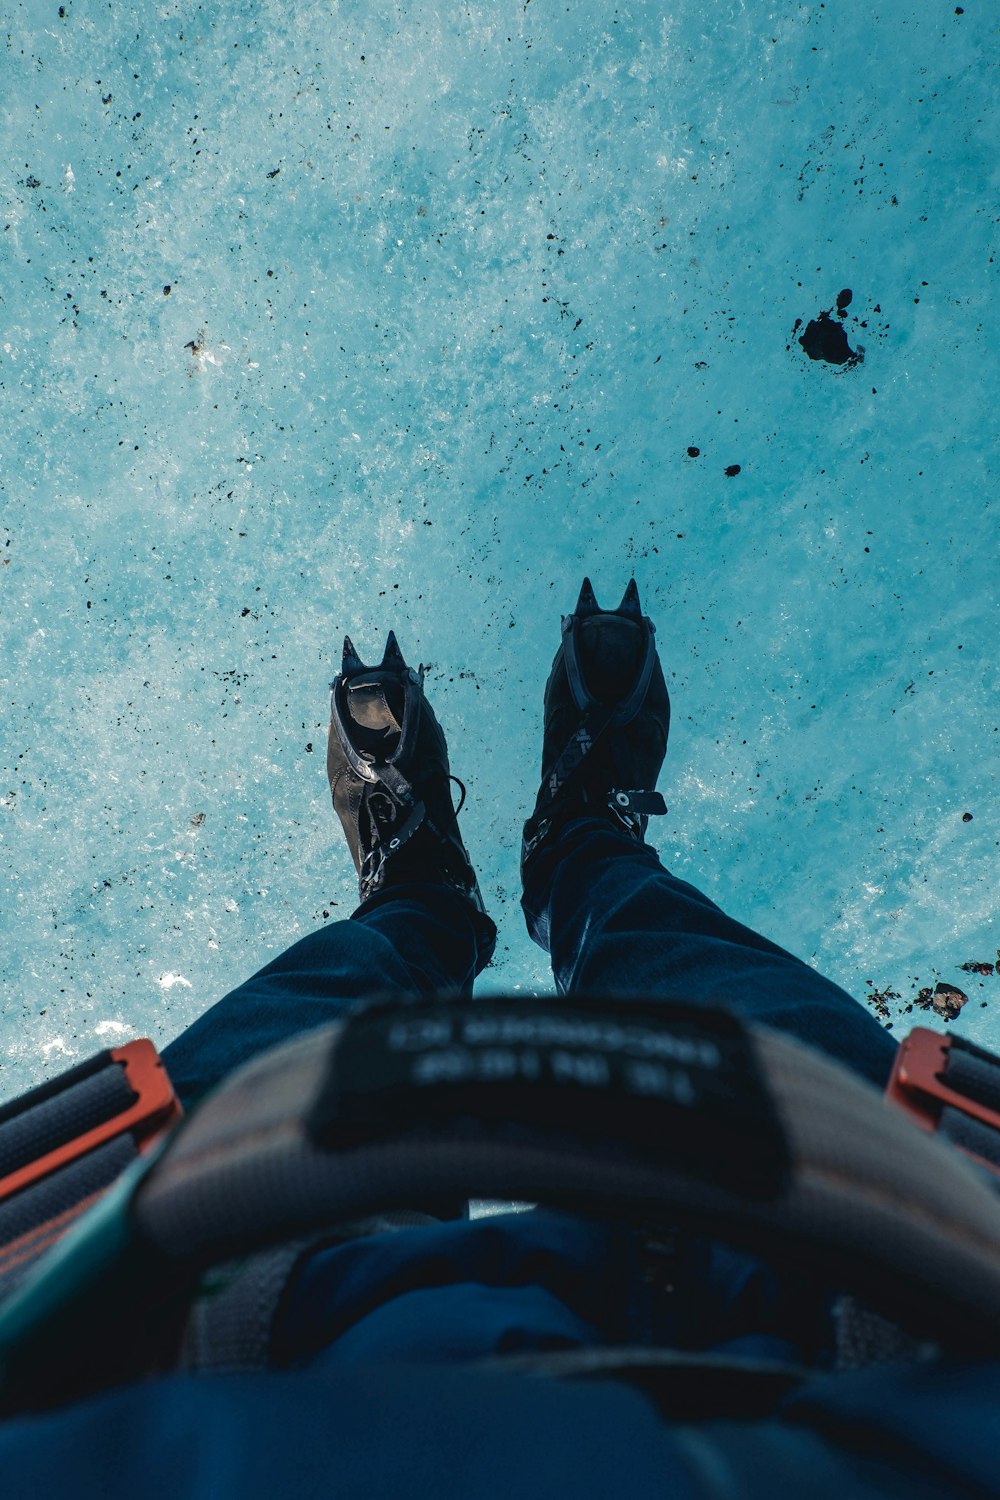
(327, 317)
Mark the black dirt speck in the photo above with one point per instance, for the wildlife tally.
(693, 452)
(824, 338)
(733, 470)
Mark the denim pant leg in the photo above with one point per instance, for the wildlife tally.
(407, 939)
(616, 922)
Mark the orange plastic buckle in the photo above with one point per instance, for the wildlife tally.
(153, 1110)
(917, 1086)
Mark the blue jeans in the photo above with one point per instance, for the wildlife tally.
(612, 918)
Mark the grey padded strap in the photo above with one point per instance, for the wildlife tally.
(871, 1201)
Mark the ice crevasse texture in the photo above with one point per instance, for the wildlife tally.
(335, 317)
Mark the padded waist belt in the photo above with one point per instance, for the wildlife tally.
(663, 1115)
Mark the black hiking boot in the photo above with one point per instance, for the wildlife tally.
(607, 717)
(387, 762)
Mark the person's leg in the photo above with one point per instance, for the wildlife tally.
(616, 922)
(407, 939)
(421, 925)
(595, 894)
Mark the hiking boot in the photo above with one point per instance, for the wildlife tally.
(607, 717)
(387, 763)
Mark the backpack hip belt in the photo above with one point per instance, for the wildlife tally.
(663, 1115)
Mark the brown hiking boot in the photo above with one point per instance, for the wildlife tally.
(387, 763)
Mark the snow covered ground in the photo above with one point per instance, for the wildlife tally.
(323, 316)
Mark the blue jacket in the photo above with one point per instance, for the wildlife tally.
(381, 1385)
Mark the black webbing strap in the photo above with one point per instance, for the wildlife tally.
(58, 1111)
(975, 1073)
(970, 1134)
(951, 1088)
(33, 1219)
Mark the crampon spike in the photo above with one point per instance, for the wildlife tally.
(630, 608)
(392, 657)
(351, 661)
(587, 603)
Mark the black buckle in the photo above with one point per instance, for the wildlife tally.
(637, 804)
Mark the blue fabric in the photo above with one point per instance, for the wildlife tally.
(542, 1281)
(614, 921)
(375, 1389)
(428, 1432)
(408, 939)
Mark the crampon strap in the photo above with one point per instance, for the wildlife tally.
(667, 1116)
(595, 722)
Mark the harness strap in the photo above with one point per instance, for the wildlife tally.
(666, 1116)
(663, 1115)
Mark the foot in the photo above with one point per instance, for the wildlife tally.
(387, 762)
(607, 717)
